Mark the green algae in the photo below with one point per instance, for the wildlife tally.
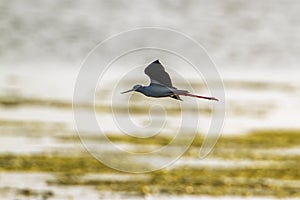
(51, 163)
(279, 178)
(266, 139)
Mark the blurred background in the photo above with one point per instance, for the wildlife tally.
(255, 47)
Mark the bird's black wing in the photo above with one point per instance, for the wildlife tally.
(158, 75)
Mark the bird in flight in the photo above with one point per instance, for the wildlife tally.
(161, 84)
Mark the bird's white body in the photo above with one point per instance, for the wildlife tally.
(156, 90)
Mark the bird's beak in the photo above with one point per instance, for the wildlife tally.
(128, 91)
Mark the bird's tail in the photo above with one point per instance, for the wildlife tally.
(186, 93)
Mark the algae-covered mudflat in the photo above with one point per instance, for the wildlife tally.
(256, 156)
(260, 164)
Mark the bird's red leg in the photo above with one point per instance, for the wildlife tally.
(197, 96)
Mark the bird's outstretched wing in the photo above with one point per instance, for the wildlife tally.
(158, 75)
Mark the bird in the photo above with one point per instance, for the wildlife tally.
(161, 85)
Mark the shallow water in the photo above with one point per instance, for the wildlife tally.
(46, 126)
(251, 104)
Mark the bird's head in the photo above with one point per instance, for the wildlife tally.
(135, 88)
